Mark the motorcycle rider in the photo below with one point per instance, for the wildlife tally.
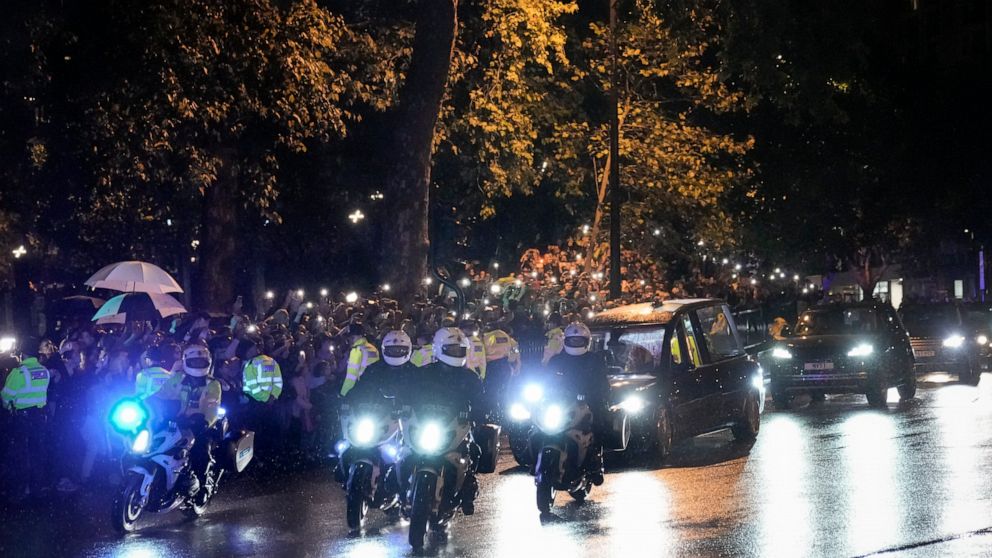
(448, 379)
(585, 373)
(386, 377)
(198, 394)
(155, 374)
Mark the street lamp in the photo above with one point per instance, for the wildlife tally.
(19, 251)
(356, 216)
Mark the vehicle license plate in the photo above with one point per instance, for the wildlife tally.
(819, 366)
(925, 353)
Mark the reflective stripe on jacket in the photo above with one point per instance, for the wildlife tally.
(423, 356)
(262, 378)
(554, 344)
(362, 355)
(26, 386)
(150, 380)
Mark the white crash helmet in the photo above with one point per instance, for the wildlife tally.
(196, 360)
(396, 348)
(577, 337)
(451, 346)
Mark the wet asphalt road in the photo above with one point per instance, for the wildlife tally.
(829, 479)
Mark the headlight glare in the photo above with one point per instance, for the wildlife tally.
(982, 339)
(519, 413)
(140, 443)
(779, 352)
(633, 404)
(554, 417)
(429, 438)
(533, 393)
(364, 431)
(861, 350)
(954, 341)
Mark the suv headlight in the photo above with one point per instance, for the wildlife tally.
(779, 352)
(633, 404)
(861, 350)
(982, 339)
(954, 341)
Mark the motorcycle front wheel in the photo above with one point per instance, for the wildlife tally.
(127, 506)
(424, 489)
(359, 486)
(546, 474)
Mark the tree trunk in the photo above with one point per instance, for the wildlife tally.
(218, 245)
(407, 181)
(604, 183)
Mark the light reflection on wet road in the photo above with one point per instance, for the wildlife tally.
(831, 479)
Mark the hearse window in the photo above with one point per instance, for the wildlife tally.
(718, 331)
(635, 351)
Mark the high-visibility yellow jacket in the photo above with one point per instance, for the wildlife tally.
(26, 386)
(554, 343)
(193, 399)
(362, 355)
(477, 356)
(150, 380)
(500, 345)
(423, 356)
(262, 378)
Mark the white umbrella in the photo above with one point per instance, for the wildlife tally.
(134, 277)
(138, 306)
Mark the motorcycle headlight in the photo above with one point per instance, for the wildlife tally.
(779, 352)
(982, 339)
(554, 418)
(141, 441)
(128, 415)
(533, 393)
(519, 413)
(861, 350)
(633, 404)
(364, 431)
(954, 341)
(430, 438)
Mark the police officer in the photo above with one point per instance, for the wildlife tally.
(477, 353)
(198, 394)
(585, 373)
(154, 375)
(554, 339)
(24, 395)
(448, 379)
(502, 362)
(387, 376)
(261, 376)
(424, 354)
(362, 355)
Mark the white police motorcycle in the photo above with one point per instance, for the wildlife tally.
(156, 465)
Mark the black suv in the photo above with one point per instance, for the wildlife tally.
(843, 348)
(679, 369)
(943, 340)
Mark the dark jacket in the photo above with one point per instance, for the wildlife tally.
(585, 375)
(438, 382)
(382, 380)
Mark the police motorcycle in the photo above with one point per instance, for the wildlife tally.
(369, 454)
(158, 476)
(521, 409)
(561, 440)
(439, 466)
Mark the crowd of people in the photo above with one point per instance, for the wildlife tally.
(283, 368)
